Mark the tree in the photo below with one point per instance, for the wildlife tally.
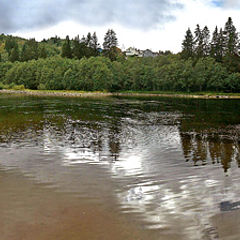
(66, 48)
(110, 44)
(231, 42)
(89, 40)
(110, 40)
(14, 56)
(94, 44)
(76, 48)
(188, 45)
(10, 43)
(83, 39)
(214, 43)
(198, 42)
(42, 52)
(206, 37)
(217, 45)
(220, 52)
(30, 50)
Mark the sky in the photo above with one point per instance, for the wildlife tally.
(153, 24)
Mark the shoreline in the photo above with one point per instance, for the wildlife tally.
(60, 93)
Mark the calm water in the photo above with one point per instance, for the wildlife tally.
(119, 168)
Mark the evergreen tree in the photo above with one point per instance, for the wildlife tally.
(10, 43)
(188, 45)
(110, 44)
(14, 56)
(217, 45)
(110, 40)
(24, 53)
(206, 38)
(83, 39)
(89, 40)
(220, 52)
(66, 48)
(95, 45)
(214, 43)
(42, 52)
(30, 50)
(198, 42)
(76, 48)
(231, 42)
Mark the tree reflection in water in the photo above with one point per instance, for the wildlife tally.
(218, 148)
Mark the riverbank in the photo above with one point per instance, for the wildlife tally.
(61, 93)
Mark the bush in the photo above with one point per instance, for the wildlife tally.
(42, 86)
(18, 87)
(1, 86)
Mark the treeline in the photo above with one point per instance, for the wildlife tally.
(163, 73)
(205, 64)
(223, 45)
(25, 50)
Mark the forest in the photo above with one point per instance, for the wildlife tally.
(207, 62)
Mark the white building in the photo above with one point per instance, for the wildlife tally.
(130, 52)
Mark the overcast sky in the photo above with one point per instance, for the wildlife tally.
(154, 24)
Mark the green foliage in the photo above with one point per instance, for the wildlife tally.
(14, 56)
(2, 86)
(18, 87)
(66, 48)
(201, 66)
(163, 73)
(224, 44)
(188, 45)
(30, 50)
(110, 44)
(4, 68)
(42, 52)
(10, 44)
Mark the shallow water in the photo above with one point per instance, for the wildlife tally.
(119, 168)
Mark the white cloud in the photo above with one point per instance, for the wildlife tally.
(166, 36)
(231, 3)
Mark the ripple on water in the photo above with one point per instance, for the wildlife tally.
(154, 161)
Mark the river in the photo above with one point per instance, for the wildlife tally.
(119, 168)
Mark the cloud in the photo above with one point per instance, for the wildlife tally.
(143, 14)
(229, 3)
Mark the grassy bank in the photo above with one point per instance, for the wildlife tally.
(65, 93)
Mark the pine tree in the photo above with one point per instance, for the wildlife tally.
(198, 42)
(83, 39)
(220, 49)
(110, 44)
(95, 44)
(110, 40)
(30, 50)
(89, 39)
(231, 42)
(10, 43)
(66, 48)
(214, 43)
(188, 45)
(76, 48)
(14, 56)
(206, 38)
(42, 52)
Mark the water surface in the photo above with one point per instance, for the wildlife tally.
(119, 168)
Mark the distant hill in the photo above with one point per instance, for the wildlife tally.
(53, 45)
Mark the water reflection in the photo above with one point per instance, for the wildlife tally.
(228, 206)
(201, 147)
(163, 161)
